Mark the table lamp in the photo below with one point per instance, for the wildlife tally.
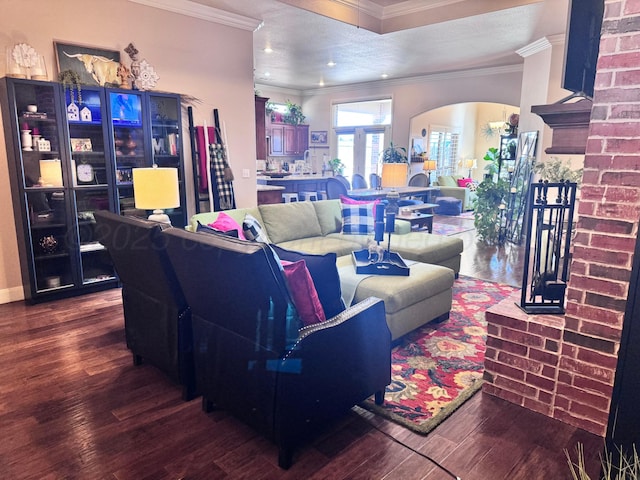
(50, 173)
(429, 166)
(394, 175)
(156, 189)
(470, 164)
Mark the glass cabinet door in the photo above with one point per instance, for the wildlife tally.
(91, 175)
(126, 111)
(43, 179)
(167, 144)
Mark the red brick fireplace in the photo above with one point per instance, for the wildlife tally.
(564, 365)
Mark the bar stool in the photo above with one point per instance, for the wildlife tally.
(311, 196)
(289, 197)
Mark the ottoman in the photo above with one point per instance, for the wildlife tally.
(448, 206)
(409, 302)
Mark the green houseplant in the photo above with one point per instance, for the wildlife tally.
(556, 170)
(489, 204)
(336, 166)
(295, 116)
(394, 154)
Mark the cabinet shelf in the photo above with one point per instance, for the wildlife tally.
(95, 153)
(46, 225)
(92, 123)
(50, 256)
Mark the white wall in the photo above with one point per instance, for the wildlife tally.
(208, 61)
(416, 96)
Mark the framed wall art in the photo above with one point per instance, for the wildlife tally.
(94, 66)
(319, 137)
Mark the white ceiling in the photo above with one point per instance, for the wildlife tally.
(416, 37)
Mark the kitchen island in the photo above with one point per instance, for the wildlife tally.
(296, 183)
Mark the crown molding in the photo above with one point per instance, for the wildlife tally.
(203, 12)
(273, 88)
(412, 7)
(535, 47)
(436, 77)
(409, 7)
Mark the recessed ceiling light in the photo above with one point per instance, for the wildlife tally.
(331, 64)
(267, 74)
(321, 83)
(268, 50)
(384, 75)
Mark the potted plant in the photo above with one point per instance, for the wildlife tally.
(489, 205)
(394, 154)
(71, 80)
(295, 116)
(555, 170)
(337, 167)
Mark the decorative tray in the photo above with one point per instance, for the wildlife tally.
(393, 264)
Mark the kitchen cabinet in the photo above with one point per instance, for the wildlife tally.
(289, 140)
(70, 155)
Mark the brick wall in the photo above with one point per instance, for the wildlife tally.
(565, 368)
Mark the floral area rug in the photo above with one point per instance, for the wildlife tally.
(438, 367)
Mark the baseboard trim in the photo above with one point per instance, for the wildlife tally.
(13, 294)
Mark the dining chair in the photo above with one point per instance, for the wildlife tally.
(344, 181)
(358, 181)
(335, 188)
(374, 180)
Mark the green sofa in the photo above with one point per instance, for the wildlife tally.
(449, 188)
(314, 227)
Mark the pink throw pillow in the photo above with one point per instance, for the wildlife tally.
(303, 292)
(224, 223)
(464, 182)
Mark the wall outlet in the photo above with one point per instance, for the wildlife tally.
(246, 173)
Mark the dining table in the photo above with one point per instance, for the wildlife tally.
(405, 191)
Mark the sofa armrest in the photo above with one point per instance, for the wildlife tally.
(348, 356)
(333, 366)
(461, 193)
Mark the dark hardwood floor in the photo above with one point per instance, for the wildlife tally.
(73, 406)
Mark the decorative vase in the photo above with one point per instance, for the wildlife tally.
(27, 140)
(48, 244)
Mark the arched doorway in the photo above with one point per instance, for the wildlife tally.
(458, 133)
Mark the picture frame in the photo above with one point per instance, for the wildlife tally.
(94, 65)
(318, 137)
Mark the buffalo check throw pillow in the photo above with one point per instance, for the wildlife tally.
(357, 219)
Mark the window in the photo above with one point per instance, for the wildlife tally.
(360, 129)
(357, 114)
(443, 148)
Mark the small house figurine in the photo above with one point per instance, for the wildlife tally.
(43, 145)
(73, 112)
(85, 114)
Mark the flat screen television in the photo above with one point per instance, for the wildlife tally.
(582, 46)
(126, 109)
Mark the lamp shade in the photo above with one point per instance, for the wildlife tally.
(51, 173)
(394, 174)
(470, 163)
(429, 165)
(156, 188)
